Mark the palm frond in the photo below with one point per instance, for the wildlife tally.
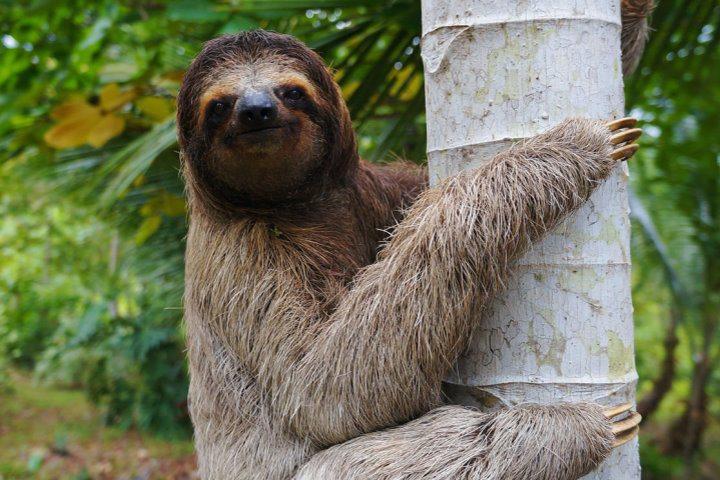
(639, 213)
(120, 170)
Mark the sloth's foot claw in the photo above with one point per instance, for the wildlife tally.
(627, 122)
(626, 133)
(626, 136)
(625, 152)
(625, 437)
(626, 428)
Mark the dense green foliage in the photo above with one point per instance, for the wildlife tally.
(93, 222)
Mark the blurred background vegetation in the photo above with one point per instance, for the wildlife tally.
(93, 218)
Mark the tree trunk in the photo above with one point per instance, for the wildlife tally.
(686, 433)
(497, 72)
(663, 383)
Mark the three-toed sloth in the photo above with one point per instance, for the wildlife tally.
(327, 297)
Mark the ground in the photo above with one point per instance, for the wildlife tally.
(55, 434)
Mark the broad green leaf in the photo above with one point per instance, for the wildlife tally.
(194, 11)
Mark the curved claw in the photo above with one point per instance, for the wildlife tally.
(626, 437)
(625, 152)
(627, 122)
(626, 136)
(617, 410)
(628, 423)
(628, 427)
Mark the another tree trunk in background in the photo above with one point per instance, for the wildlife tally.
(664, 380)
(497, 72)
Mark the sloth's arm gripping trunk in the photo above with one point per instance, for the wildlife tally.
(379, 360)
(549, 442)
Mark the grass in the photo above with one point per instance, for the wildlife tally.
(53, 433)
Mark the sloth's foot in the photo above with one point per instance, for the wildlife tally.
(627, 427)
(622, 141)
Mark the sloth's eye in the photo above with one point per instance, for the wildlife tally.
(294, 94)
(219, 108)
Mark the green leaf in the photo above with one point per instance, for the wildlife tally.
(133, 160)
(239, 23)
(194, 11)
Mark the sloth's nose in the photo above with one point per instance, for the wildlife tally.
(256, 109)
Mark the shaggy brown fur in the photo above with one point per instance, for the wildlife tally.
(452, 442)
(329, 307)
(635, 30)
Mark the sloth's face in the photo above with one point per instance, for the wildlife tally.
(261, 120)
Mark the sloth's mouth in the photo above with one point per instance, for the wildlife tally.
(261, 129)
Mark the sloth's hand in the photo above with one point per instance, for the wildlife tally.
(622, 140)
(627, 426)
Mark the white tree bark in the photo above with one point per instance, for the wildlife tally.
(498, 71)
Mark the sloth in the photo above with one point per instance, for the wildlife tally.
(327, 297)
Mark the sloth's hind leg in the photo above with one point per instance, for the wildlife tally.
(531, 442)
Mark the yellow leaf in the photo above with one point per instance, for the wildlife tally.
(149, 226)
(173, 206)
(413, 87)
(156, 108)
(73, 132)
(350, 88)
(147, 209)
(108, 127)
(139, 181)
(111, 97)
(175, 76)
(73, 109)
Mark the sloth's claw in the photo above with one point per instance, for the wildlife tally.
(625, 437)
(628, 423)
(617, 410)
(623, 138)
(625, 152)
(626, 428)
(627, 122)
(626, 136)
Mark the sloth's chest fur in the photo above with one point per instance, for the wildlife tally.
(251, 285)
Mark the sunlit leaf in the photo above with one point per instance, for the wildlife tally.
(156, 108)
(111, 97)
(73, 109)
(139, 181)
(118, 72)
(175, 76)
(172, 205)
(149, 226)
(350, 87)
(164, 203)
(108, 127)
(74, 132)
